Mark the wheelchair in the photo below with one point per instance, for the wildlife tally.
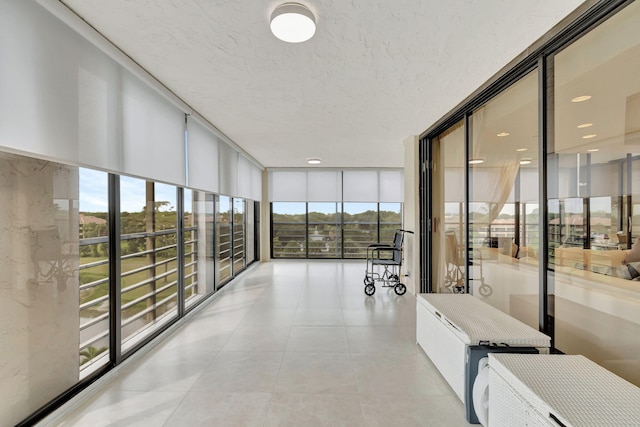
(384, 265)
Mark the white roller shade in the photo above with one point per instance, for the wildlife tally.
(203, 157)
(287, 186)
(360, 186)
(228, 168)
(391, 186)
(244, 177)
(152, 133)
(256, 183)
(59, 94)
(529, 185)
(324, 186)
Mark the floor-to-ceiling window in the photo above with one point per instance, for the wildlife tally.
(93, 269)
(288, 223)
(324, 230)
(594, 190)
(239, 227)
(224, 236)
(149, 257)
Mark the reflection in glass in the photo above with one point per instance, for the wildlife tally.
(503, 264)
(448, 237)
(594, 181)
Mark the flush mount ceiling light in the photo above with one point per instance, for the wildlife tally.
(476, 161)
(314, 161)
(593, 135)
(585, 125)
(293, 23)
(581, 98)
(525, 161)
(593, 150)
(503, 134)
(520, 150)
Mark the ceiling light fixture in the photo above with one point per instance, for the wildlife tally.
(293, 23)
(314, 161)
(525, 161)
(585, 125)
(581, 98)
(476, 161)
(593, 150)
(503, 134)
(520, 150)
(592, 135)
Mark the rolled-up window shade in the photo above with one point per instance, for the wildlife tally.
(153, 133)
(59, 92)
(228, 168)
(285, 186)
(244, 177)
(324, 186)
(360, 186)
(256, 183)
(391, 186)
(203, 157)
(529, 185)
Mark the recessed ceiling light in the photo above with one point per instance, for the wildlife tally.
(293, 23)
(585, 125)
(592, 135)
(476, 161)
(593, 150)
(525, 161)
(520, 150)
(504, 134)
(314, 161)
(581, 98)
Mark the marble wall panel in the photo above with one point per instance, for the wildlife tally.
(39, 311)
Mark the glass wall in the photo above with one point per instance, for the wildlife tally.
(93, 269)
(594, 190)
(588, 223)
(447, 192)
(503, 179)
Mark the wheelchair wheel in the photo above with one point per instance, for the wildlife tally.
(368, 280)
(485, 290)
(369, 289)
(394, 278)
(400, 288)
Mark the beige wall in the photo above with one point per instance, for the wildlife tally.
(411, 214)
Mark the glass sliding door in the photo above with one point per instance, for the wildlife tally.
(448, 238)
(94, 270)
(503, 180)
(149, 257)
(324, 230)
(594, 181)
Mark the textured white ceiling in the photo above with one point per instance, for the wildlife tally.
(376, 72)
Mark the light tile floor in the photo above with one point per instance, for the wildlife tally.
(287, 344)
